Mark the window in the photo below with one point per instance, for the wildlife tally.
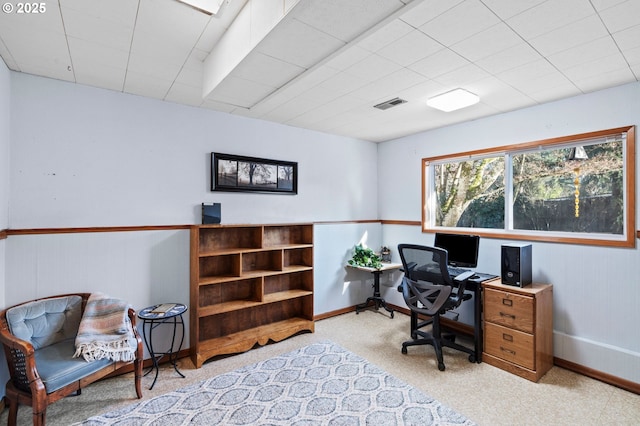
(576, 189)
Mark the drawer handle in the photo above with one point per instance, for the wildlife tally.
(507, 337)
(507, 350)
(502, 314)
(507, 302)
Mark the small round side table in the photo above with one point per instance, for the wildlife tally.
(154, 316)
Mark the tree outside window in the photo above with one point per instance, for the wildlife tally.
(573, 189)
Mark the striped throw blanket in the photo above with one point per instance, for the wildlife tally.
(105, 330)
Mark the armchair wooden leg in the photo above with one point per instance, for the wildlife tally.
(137, 367)
(13, 412)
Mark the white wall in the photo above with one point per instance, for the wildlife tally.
(5, 93)
(82, 156)
(596, 289)
(86, 157)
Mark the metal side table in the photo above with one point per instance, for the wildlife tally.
(154, 316)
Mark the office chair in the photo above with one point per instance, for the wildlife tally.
(429, 290)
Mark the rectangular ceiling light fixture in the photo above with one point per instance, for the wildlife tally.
(210, 7)
(453, 100)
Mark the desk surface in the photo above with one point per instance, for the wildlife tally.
(385, 267)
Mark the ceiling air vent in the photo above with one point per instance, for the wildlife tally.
(390, 103)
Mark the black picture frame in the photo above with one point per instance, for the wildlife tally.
(237, 173)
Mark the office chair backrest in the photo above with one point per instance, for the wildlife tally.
(424, 297)
(425, 263)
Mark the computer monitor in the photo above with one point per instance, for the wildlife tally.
(462, 249)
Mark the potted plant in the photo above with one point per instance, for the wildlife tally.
(363, 256)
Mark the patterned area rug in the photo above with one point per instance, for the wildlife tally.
(319, 384)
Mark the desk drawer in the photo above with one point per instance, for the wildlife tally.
(510, 345)
(509, 309)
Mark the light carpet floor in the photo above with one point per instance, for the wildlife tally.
(315, 385)
(480, 392)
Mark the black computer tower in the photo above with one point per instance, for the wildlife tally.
(516, 264)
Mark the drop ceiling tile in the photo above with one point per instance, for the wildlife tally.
(458, 23)
(426, 11)
(297, 87)
(8, 59)
(220, 106)
(488, 42)
(461, 77)
(95, 74)
(385, 35)
(321, 94)
(345, 20)
(36, 49)
(584, 53)
(569, 36)
(184, 94)
(614, 77)
(632, 56)
(519, 76)
(553, 81)
(121, 11)
(601, 5)
(410, 48)
(266, 70)
(240, 92)
(508, 59)
(372, 68)
(388, 86)
(191, 77)
(154, 66)
(499, 95)
(156, 17)
(49, 21)
(85, 50)
(421, 92)
(628, 39)
(506, 9)
(211, 35)
(621, 16)
(97, 30)
(342, 83)
(99, 65)
(299, 44)
(441, 62)
(291, 109)
(549, 16)
(47, 69)
(347, 57)
(599, 66)
(554, 93)
(324, 112)
(146, 85)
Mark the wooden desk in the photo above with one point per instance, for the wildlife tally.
(377, 298)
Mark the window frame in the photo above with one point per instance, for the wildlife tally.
(627, 239)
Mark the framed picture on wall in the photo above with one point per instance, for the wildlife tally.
(239, 173)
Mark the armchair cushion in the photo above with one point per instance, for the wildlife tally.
(47, 321)
(58, 368)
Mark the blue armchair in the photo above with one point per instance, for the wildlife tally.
(39, 344)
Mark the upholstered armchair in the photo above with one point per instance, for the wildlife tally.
(39, 344)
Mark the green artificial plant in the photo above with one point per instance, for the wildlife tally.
(366, 257)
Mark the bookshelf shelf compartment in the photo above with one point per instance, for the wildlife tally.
(249, 284)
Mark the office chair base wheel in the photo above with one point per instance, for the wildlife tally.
(472, 358)
(441, 366)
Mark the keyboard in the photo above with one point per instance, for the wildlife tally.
(454, 271)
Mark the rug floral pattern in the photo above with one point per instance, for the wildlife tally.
(319, 384)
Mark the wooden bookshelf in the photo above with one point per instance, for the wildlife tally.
(249, 284)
